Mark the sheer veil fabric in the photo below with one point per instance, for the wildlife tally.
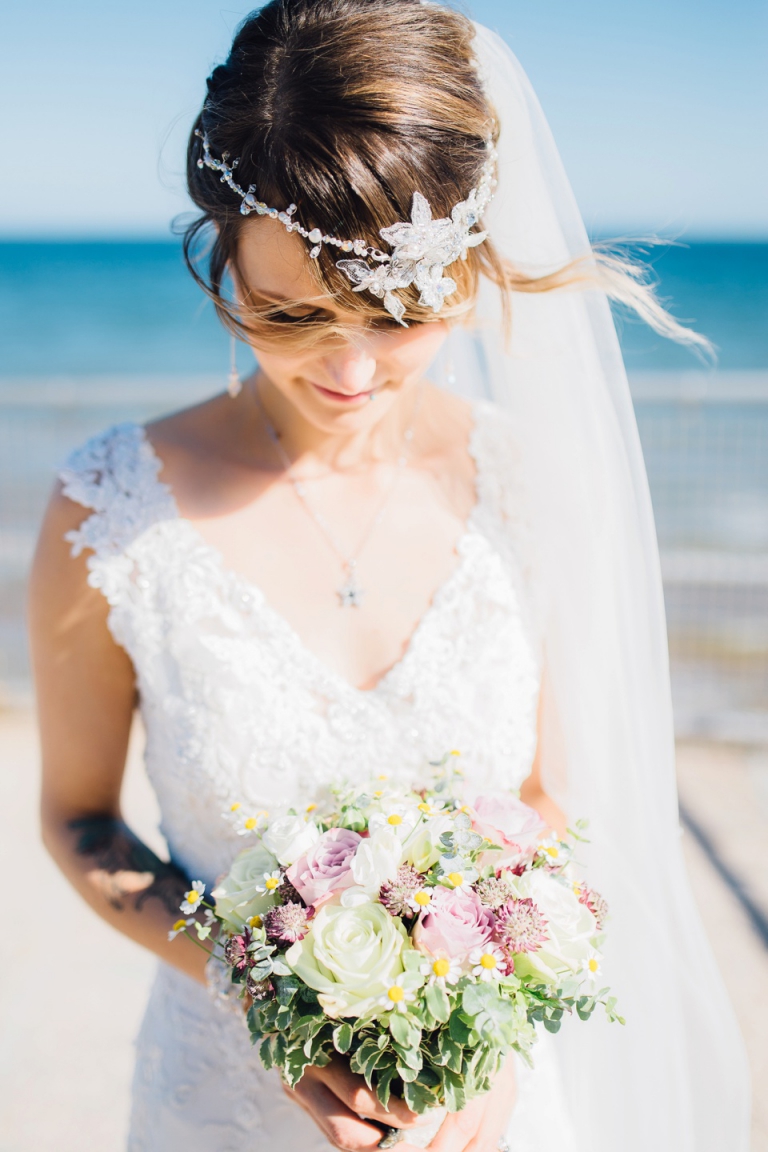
(675, 1079)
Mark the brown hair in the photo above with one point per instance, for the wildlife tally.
(344, 108)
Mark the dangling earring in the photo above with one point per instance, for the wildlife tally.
(234, 383)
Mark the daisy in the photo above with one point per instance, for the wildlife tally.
(180, 926)
(441, 971)
(193, 898)
(271, 882)
(420, 900)
(489, 962)
(591, 967)
(553, 851)
(397, 997)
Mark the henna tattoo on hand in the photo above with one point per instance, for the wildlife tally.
(124, 869)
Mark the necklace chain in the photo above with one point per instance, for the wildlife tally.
(350, 593)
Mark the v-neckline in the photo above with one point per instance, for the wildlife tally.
(253, 592)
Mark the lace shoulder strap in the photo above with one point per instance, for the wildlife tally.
(116, 474)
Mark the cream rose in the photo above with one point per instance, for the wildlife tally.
(236, 897)
(571, 927)
(351, 957)
(290, 837)
(376, 860)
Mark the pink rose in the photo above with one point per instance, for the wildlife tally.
(455, 923)
(325, 867)
(509, 823)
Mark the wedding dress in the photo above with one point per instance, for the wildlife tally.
(237, 708)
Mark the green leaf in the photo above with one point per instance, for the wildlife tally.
(552, 1025)
(399, 1027)
(360, 1058)
(417, 1096)
(286, 988)
(453, 1091)
(437, 1002)
(265, 1052)
(407, 1074)
(342, 1037)
(410, 1056)
(451, 1052)
(458, 1029)
(384, 1084)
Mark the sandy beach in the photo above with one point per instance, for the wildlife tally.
(73, 990)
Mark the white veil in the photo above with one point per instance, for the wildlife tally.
(675, 1078)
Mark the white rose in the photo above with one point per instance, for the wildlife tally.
(290, 837)
(423, 847)
(236, 897)
(377, 859)
(351, 957)
(571, 927)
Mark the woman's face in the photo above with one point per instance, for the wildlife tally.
(332, 383)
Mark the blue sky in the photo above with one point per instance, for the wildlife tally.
(660, 109)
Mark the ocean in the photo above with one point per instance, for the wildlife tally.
(128, 308)
(96, 332)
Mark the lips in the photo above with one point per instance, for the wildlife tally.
(342, 397)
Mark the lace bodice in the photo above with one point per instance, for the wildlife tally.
(237, 708)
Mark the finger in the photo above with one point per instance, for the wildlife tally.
(342, 1127)
(353, 1091)
(458, 1130)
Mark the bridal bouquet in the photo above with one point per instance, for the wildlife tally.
(421, 937)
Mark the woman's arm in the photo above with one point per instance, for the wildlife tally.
(532, 790)
(86, 696)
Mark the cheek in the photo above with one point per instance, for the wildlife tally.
(414, 350)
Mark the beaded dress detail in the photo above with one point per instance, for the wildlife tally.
(235, 707)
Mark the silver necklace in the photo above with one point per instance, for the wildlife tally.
(350, 593)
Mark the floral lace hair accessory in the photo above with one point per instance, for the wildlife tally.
(421, 248)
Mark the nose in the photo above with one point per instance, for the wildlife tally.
(351, 369)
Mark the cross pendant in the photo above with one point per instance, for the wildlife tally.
(350, 594)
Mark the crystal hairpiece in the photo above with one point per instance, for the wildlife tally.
(421, 247)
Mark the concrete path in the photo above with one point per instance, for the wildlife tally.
(65, 1061)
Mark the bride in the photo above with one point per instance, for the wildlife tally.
(421, 524)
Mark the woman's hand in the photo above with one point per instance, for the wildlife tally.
(479, 1126)
(336, 1098)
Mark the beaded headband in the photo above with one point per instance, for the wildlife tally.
(421, 248)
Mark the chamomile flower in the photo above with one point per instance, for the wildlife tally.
(457, 872)
(397, 816)
(247, 823)
(488, 962)
(553, 851)
(591, 967)
(270, 882)
(420, 900)
(193, 898)
(397, 997)
(441, 970)
(180, 926)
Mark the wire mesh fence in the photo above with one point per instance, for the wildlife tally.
(705, 440)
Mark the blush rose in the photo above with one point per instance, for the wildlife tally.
(326, 867)
(506, 821)
(455, 923)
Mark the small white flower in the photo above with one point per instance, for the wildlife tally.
(553, 851)
(270, 882)
(395, 816)
(420, 900)
(489, 962)
(591, 968)
(181, 926)
(440, 970)
(397, 997)
(193, 898)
